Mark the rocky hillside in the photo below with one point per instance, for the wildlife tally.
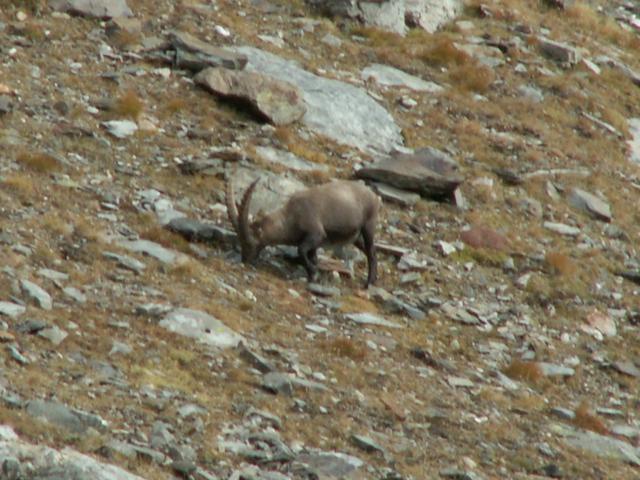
(502, 339)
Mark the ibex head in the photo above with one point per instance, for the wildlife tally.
(239, 218)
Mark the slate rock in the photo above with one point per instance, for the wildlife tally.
(60, 464)
(558, 51)
(338, 110)
(288, 159)
(626, 367)
(553, 370)
(54, 334)
(16, 355)
(70, 419)
(428, 171)
(104, 9)
(395, 195)
(155, 250)
(195, 55)
(52, 275)
(120, 128)
(254, 359)
(126, 261)
(594, 206)
(388, 76)
(37, 294)
(12, 310)
(200, 326)
(278, 101)
(74, 294)
(600, 445)
(31, 326)
(6, 104)
(371, 319)
(329, 464)
(366, 444)
(634, 142)
(388, 15)
(197, 231)
(431, 15)
(280, 382)
(562, 229)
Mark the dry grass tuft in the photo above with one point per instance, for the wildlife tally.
(124, 39)
(166, 238)
(588, 420)
(21, 186)
(444, 52)
(129, 105)
(523, 370)
(584, 18)
(559, 263)
(345, 347)
(472, 77)
(38, 162)
(174, 106)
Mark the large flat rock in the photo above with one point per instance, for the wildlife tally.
(430, 15)
(337, 110)
(276, 100)
(50, 463)
(389, 76)
(93, 8)
(428, 171)
(200, 326)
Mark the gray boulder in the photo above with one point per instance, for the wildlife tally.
(342, 112)
(385, 14)
(430, 15)
(277, 100)
(201, 326)
(41, 462)
(428, 171)
(93, 8)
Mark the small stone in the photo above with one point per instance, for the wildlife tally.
(594, 206)
(558, 51)
(16, 355)
(256, 361)
(371, 319)
(126, 261)
(553, 370)
(392, 77)
(366, 443)
(562, 229)
(74, 294)
(120, 348)
(37, 294)
(11, 309)
(54, 334)
(323, 291)
(200, 326)
(120, 128)
(460, 382)
(277, 382)
(627, 368)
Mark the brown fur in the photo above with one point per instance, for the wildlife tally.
(335, 213)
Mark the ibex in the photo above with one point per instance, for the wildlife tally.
(335, 213)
